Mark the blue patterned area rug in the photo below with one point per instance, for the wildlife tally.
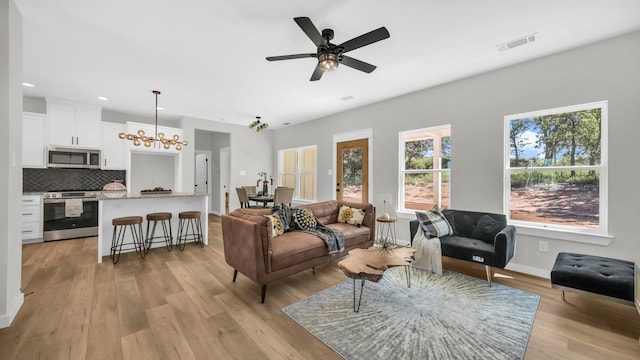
(452, 316)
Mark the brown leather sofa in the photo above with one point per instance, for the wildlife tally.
(250, 250)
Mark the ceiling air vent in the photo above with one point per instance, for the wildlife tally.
(517, 42)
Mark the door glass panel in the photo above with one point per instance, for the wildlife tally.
(352, 175)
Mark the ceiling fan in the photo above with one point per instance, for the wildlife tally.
(330, 55)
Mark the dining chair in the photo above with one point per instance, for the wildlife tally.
(244, 198)
(251, 190)
(283, 195)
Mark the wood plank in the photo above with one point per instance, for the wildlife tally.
(104, 340)
(139, 346)
(168, 335)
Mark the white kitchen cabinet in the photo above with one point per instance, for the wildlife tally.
(31, 219)
(33, 140)
(150, 130)
(113, 148)
(73, 125)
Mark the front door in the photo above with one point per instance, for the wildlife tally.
(352, 171)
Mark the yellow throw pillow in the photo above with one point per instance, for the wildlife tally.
(349, 215)
(276, 225)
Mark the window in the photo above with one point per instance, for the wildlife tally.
(556, 168)
(297, 168)
(425, 168)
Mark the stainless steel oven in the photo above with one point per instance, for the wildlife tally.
(70, 214)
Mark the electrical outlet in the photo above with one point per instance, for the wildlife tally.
(543, 246)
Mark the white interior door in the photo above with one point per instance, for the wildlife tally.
(201, 183)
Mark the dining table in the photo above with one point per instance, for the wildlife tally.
(264, 199)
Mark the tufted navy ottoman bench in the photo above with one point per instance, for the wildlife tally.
(611, 278)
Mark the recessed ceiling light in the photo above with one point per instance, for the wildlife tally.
(102, 98)
(287, 123)
(346, 98)
(27, 84)
(160, 108)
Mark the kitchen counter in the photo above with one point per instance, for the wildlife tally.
(112, 205)
(122, 195)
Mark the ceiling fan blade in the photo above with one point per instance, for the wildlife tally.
(288, 57)
(365, 39)
(317, 74)
(357, 64)
(312, 32)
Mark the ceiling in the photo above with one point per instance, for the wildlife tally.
(208, 57)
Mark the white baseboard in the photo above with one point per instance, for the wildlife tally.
(543, 273)
(6, 320)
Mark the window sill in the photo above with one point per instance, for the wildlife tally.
(581, 237)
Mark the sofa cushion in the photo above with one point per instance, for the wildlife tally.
(295, 247)
(353, 235)
(303, 219)
(467, 249)
(326, 212)
(351, 215)
(433, 224)
(486, 229)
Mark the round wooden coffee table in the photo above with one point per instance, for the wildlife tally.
(370, 264)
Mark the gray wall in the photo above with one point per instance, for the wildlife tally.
(475, 107)
(213, 142)
(250, 152)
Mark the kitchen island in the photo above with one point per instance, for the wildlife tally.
(113, 204)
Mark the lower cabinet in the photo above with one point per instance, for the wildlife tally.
(31, 219)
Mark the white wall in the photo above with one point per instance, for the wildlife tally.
(150, 170)
(11, 297)
(213, 142)
(475, 108)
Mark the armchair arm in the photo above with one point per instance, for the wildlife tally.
(243, 247)
(505, 246)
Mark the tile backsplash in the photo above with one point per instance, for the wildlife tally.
(38, 180)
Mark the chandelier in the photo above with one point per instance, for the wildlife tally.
(142, 138)
(259, 126)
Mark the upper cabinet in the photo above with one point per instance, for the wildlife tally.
(113, 148)
(73, 125)
(33, 140)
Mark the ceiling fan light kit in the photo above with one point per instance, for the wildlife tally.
(330, 55)
(258, 125)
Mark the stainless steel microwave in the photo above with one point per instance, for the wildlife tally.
(58, 157)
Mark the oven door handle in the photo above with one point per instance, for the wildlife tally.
(57, 201)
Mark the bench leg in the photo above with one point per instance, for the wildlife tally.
(563, 296)
(487, 269)
(263, 293)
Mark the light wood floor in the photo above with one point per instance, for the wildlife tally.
(183, 305)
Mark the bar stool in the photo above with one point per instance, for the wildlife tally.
(167, 235)
(189, 228)
(120, 226)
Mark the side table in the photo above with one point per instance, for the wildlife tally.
(386, 232)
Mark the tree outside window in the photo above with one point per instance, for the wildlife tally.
(556, 167)
(425, 168)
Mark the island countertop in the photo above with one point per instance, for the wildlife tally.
(122, 195)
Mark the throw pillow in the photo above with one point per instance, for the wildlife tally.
(349, 215)
(284, 212)
(304, 219)
(276, 225)
(434, 224)
(486, 229)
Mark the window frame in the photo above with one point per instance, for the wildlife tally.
(564, 232)
(401, 210)
(298, 173)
